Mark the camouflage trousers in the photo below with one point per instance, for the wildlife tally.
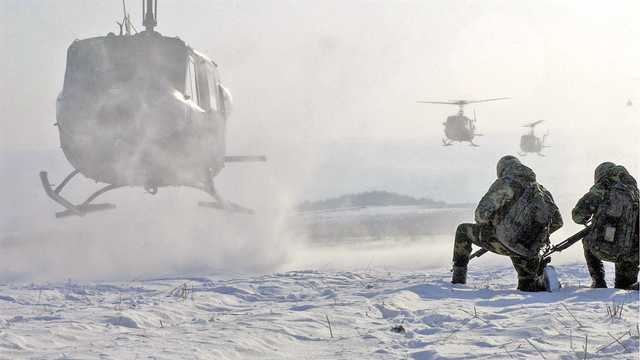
(626, 268)
(484, 237)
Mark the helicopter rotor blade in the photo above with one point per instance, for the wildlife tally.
(483, 100)
(461, 102)
(533, 124)
(437, 102)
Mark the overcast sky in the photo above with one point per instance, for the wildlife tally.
(325, 86)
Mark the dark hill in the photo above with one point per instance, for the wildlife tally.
(373, 198)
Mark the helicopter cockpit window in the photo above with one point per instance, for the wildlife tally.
(102, 64)
(190, 86)
(213, 86)
(201, 83)
(202, 80)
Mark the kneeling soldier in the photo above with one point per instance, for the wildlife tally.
(612, 207)
(514, 219)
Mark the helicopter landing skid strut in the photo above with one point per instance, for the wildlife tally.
(72, 209)
(538, 153)
(87, 207)
(221, 203)
(226, 206)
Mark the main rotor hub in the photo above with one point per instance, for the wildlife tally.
(150, 14)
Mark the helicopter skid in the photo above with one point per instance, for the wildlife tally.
(227, 206)
(87, 206)
(220, 203)
(72, 209)
(525, 154)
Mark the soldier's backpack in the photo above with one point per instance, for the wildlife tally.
(615, 223)
(524, 228)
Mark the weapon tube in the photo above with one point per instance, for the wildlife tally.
(556, 248)
(568, 242)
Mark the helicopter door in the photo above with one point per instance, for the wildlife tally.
(200, 84)
(191, 86)
(207, 85)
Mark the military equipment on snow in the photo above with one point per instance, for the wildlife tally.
(530, 143)
(567, 243)
(142, 110)
(556, 248)
(458, 127)
(551, 280)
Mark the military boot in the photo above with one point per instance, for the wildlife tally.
(626, 283)
(537, 283)
(459, 275)
(626, 275)
(598, 282)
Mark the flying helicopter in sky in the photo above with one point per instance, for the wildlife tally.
(458, 127)
(142, 110)
(530, 143)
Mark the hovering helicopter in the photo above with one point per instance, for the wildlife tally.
(459, 127)
(142, 110)
(530, 143)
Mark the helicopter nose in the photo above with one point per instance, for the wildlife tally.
(117, 110)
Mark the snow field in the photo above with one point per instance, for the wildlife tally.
(289, 316)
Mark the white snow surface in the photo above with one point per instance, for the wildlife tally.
(287, 315)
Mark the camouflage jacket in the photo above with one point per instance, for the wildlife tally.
(588, 204)
(504, 191)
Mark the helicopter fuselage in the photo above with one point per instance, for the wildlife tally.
(459, 128)
(530, 143)
(142, 110)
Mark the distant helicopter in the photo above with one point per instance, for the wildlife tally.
(530, 143)
(459, 128)
(142, 110)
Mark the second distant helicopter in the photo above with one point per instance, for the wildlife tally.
(458, 127)
(530, 143)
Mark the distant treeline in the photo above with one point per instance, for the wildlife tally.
(374, 198)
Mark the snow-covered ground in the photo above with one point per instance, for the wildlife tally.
(318, 315)
(328, 294)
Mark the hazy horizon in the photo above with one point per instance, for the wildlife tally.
(328, 90)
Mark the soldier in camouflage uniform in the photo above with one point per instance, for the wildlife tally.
(502, 193)
(605, 175)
